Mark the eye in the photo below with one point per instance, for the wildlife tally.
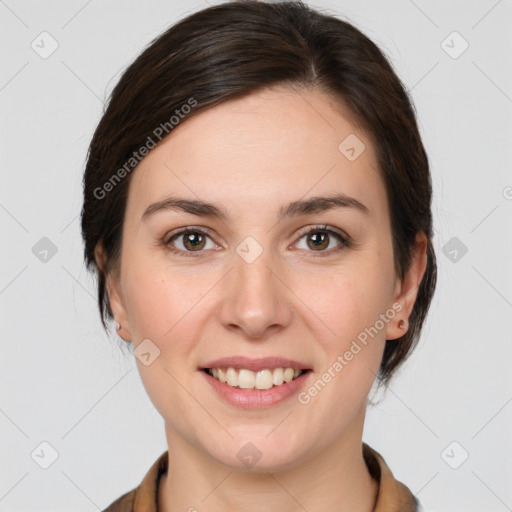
(190, 239)
(318, 238)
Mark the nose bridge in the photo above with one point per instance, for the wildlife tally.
(253, 277)
(254, 299)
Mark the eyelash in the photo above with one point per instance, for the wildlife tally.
(345, 242)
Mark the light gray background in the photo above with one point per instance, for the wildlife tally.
(65, 383)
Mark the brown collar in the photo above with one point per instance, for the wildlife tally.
(393, 495)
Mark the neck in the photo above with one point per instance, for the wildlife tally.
(335, 479)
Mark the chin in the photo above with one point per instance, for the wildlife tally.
(258, 453)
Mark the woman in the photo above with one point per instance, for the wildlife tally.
(257, 207)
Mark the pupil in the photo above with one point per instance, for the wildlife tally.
(319, 239)
(194, 239)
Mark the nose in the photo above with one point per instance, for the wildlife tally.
(255, 300)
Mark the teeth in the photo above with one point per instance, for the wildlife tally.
(232, 377)
(278, 376)
(288, 374)
(247, 379)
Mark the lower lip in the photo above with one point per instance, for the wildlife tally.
(256, 398)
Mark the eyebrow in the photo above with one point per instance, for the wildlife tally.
(295, 208)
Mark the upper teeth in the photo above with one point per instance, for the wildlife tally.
(247, 379)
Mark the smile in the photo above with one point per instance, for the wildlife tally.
(243, 378)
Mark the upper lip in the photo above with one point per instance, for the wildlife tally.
(256, 364)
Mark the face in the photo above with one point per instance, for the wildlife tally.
(265, 278)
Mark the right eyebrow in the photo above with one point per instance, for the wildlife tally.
(199, 208)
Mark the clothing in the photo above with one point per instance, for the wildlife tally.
(393, 496)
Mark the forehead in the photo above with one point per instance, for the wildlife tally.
(264, 149)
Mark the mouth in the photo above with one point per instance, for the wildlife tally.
(246, 379)
(255, 382)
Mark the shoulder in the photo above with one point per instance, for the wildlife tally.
(123, 504)
(393, 495)
(144, 497)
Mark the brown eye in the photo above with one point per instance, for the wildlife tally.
(193, 241)
(319, 238)
(188, 241)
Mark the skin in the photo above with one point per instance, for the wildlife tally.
(251, 156)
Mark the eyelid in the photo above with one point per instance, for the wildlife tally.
(179, 231)
(324, 227)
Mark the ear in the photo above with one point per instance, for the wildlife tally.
(114, 292)
(406, 290)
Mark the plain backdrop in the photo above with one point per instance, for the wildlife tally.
(66, 390)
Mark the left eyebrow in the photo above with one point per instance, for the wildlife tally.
(295, 208)
(322, 204)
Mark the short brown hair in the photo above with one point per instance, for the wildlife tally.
(233, 49)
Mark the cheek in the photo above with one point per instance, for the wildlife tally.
(151, 305)
(352, 306)
(159, 298)
(165, 306)
(350, 300)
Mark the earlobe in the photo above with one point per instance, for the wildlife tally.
(407, 289)
(114, 296)
(403, 324)
(99, 257)
(117, 306)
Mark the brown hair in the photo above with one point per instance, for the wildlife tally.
(233, 49)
